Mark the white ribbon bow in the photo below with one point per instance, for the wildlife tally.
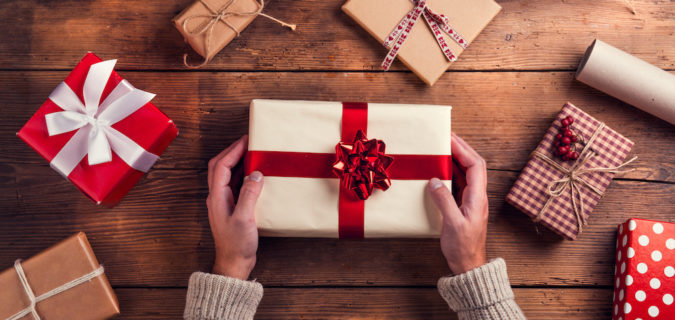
(95, 135)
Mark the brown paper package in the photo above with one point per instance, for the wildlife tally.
(64, 262)
(222, 34)
(420, 52)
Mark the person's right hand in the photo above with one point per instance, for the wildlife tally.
(464, 227)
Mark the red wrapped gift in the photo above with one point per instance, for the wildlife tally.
(645, 266)
(98, 131)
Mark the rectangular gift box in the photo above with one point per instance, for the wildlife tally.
(64, 262)
(644, 270)
(200, 14)
(421, 52)
(530, 193)
(293, 143)
(105, 183)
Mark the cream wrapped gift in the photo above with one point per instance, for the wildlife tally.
(348, 170)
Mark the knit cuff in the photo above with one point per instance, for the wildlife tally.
(481, 293)
(212, 296)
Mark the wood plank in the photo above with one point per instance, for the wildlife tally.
(371, 303)
(532, 35)
(503, 114)
(159, 234)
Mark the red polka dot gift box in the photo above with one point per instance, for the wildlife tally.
(644, 287)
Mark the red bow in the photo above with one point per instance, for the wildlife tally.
(362, 165)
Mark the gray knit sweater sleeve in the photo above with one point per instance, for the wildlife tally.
(212, 296)
(483, 293)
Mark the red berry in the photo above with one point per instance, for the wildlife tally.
(573, 155)
(558, 136)
(565, 123)
(569, 119)
(574, 138)
(563, 149)
(568, 133)
(566, 140)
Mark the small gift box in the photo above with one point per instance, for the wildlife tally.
(98, 131)
(62, 282)
(427, 48)
(560, 192)
(348, 170)
(645, 266)
(209, 25)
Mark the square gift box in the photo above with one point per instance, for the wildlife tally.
(427, 47)
(98, 131)
(66, 281)
(562, 194)
(645, 265)
(315, 157)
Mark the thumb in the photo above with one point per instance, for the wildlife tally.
(250, 191)
(444, 201)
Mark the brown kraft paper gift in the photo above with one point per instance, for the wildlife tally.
(64, 262)
(543, 190)
(421, 52)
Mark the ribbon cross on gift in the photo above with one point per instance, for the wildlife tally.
(92, 120)
(438, 23)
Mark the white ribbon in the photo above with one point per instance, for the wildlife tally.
(95, 135)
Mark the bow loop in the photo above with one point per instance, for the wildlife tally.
(362, 166)
(92, 121)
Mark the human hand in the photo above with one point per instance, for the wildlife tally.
(464, 228)
(233, 226)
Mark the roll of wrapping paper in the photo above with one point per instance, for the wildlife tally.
(629, 79)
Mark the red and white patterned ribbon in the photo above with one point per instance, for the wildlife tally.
(437, 23)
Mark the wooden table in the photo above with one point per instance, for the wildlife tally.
(505, 89)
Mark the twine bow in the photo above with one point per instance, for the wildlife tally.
(438, 23)
(34, 300)
(573, 179)
(221, 15)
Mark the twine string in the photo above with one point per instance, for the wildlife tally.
(34, 300)
(573, 179)
(221, 15)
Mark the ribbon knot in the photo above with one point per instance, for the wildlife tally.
(573, 179)
(221, 15)
(363, 165)
(438, 23)
(95, 137)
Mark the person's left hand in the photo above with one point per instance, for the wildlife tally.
(233, 227)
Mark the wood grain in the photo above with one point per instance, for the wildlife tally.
(371, 303)
(159, 234)
(526, 35)
(503, 115)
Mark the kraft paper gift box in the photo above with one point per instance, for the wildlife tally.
(131, 132)
(66, 262)
(295, 145)
(421, 52)
(542, 190)
(208, 32)
(645, 265)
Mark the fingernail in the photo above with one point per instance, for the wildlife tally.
(255, 176)
(435, 183)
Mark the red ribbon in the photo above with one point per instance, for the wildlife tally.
(438, 23)
(320, 165)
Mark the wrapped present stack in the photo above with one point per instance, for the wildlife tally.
(569, 171)
(62, 282)
(348, 170)
(645, 266)
(98, 131)
(426, 35)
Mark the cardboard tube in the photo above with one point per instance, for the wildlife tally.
(629, 79)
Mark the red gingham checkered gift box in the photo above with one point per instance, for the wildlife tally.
(561, 194)
(645, 266)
